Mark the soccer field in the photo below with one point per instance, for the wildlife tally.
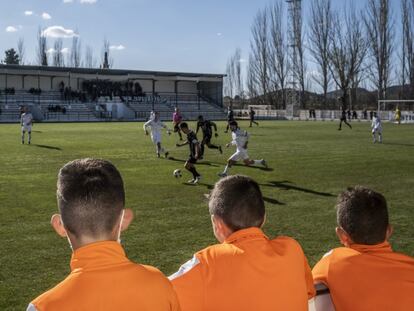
(309, 164)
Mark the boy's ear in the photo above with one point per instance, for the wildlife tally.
(343, 237)
(128, 217)
(57, 224)
(221, 230)
(390, 230)
(263, 222)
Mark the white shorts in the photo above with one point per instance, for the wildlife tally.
(240, 154)
(156, 137)
(377, 130)
(26, 128)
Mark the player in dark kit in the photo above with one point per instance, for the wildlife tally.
(251, 114)
(206, 128)
(195, 152)
(343, 119)
(230, 118)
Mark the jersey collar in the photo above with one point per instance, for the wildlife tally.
(96, 255)
(243, 234)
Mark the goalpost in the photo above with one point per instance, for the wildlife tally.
(387, 109)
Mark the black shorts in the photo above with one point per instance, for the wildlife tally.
(192, 160)
(206, 139)
(177, 127)
(343, 119)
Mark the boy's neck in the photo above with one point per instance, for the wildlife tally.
(85, 240)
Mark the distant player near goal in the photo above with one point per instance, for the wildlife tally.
(156, 125)
(376, 128)
(251, 115)
(397, 115)
(240, 140)
(26, 121)
(343, 119)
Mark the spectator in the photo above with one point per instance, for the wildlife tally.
(365, 274)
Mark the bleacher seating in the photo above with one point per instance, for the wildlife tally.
(54, 108)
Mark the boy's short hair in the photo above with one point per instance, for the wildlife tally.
(238, 201)
(90, 195)
(183, 125)
(363, 214)
(234, 123)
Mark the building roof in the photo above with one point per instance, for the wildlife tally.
(106, 72)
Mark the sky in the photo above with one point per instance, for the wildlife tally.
(162, 35)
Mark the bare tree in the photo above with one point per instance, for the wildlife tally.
(75, 52)
(21, 50)
(278, 59)
(347, 50)
(407, 52)
(297, 64)
(41, 48)
(107, 60)
(238, 81)
(320, 26)
(229, 80)
(380, 39)
(58, 59)
(259, 58)
(251, 81)
(90, 61)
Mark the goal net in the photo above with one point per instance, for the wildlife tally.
(387, 110)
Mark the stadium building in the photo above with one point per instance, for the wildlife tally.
(83, 94)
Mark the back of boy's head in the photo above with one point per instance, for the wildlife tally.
(238, 201)
(91, 196)
(363, 214)
(183, 125)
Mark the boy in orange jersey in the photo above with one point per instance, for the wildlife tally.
(247, 271)
(91, 200)
(365, 274)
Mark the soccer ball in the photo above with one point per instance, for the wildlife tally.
(177, 173)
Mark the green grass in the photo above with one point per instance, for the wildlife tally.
(311, 162)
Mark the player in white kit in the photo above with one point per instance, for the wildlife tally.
(156, 125)
(376, 128)
(26, 121)
(240, 140)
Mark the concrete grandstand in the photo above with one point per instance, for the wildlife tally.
(55, 94)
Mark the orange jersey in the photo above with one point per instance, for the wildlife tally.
(103, 278)
(367, 277)
(247, 272)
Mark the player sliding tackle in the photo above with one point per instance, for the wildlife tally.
(240, 140)
(156, 125)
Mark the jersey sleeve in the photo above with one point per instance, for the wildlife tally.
(321, 269)
(146, 124)
(309, 279)
(188, 284)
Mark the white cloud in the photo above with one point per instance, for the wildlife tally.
(46, 15)
(219, 34)
(67, 1)
(51, 51)
(28, 13)
(88, 1)
(65, 51)
(58, 32)
(117, 47)
(11, 29)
